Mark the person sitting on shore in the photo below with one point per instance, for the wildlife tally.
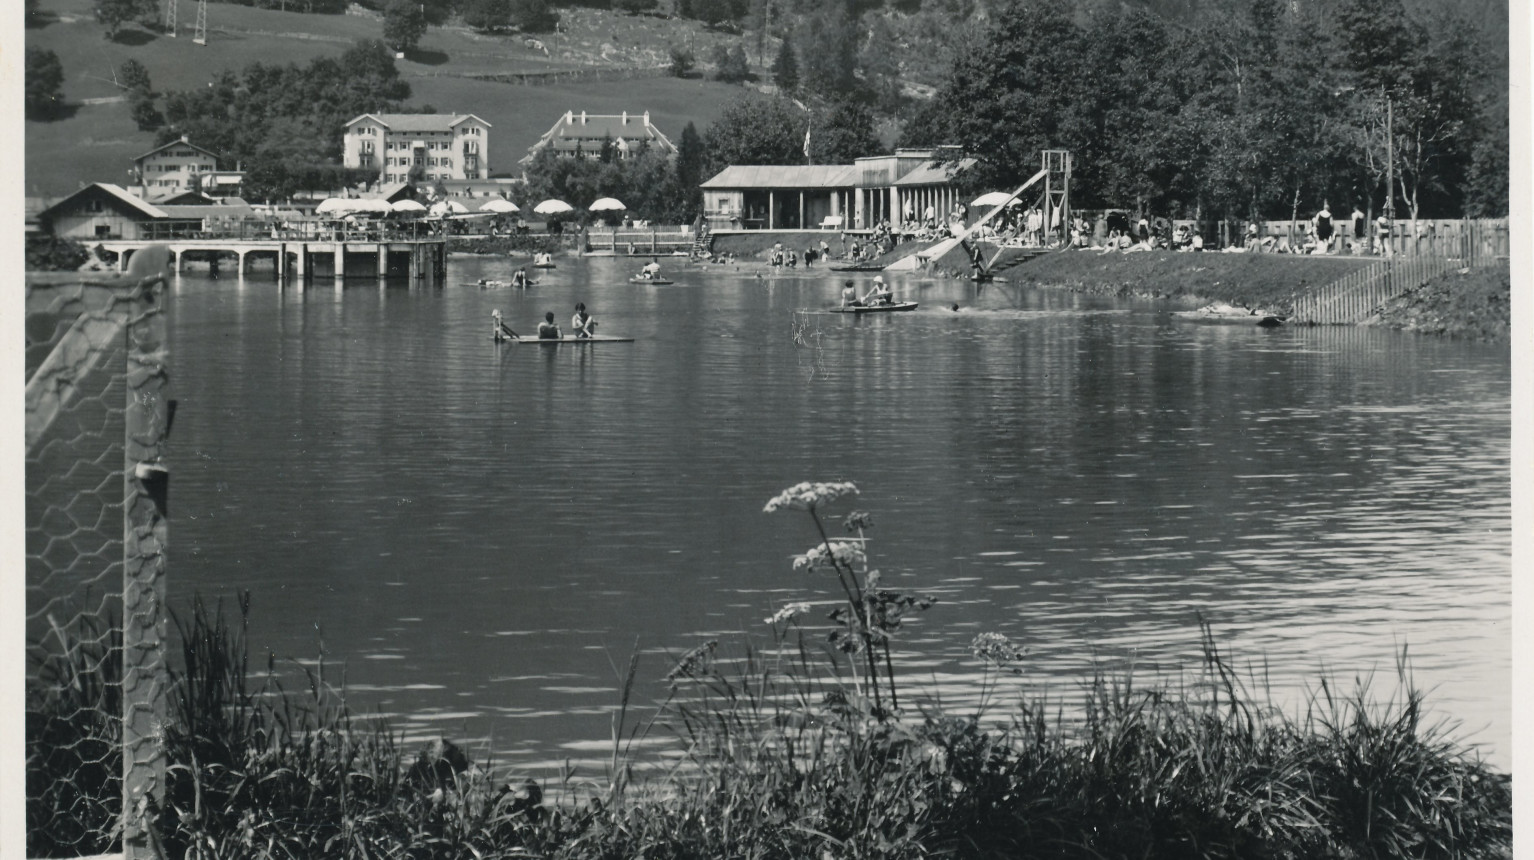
(651, 270)
(547, 330)
(582, 323)
(880, 294)
(850, 295)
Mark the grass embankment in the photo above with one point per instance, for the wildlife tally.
(782, 756)
(96, 142)
(1474, 303)
(1260, 281)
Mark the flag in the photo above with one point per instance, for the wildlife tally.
(806, 142)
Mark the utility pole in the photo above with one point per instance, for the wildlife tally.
(1390, 160)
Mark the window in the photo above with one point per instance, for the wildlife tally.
(93, 206)
(447, 162)
(103, 231)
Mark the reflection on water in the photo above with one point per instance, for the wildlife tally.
(481, 532)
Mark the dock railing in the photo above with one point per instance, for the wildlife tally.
(660, 239)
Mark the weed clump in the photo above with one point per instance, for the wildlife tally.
(793, 750)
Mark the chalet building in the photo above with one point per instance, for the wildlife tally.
(406, 147)
(583, 135)
(172, 168)
(896, 188)
(105, 211)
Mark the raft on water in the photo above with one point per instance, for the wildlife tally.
(874, 309)
(596, 338)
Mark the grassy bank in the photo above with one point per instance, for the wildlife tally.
(798, 745)
(1473, 303)
(1267, 281)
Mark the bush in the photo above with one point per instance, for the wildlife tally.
(145, 115)
(533, 16)
(133, 77)
(52, 254)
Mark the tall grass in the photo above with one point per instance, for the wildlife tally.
(797, 748)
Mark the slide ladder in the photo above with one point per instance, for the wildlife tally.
(921, 258)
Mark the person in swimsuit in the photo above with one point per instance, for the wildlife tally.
(582, 323)
(850, 295)
(547, 330)
(880, 294)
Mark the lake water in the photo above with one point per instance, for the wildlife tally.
(480, 532)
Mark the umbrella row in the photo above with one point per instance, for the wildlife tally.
(497, 205)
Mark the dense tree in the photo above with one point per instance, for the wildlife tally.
(290, 113)
(44, 83)
(533, 16)
(404, 24)
(144, 113)
(115, 13)
(785, 69)
(487, 15)
(757, 130)
(828, 42)
(635, 7)
(842, 130)
(730, 64)
(682, 62)
(133, 77)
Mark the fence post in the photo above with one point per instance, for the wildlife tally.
(145, 484)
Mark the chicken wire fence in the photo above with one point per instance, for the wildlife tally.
(95, 427)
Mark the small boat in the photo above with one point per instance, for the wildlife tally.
(596, 338)
(874, 309)
(498, 284)
(659, 282)
(542, 265)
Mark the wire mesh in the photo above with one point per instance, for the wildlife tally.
(87, 384)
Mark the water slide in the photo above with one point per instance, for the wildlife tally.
(914, 261)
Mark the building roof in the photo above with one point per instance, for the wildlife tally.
(784, 176)
(217, 210)
(113, 191)
(408, 122)
(586, 128)
(183, 198)
(936, 172)
(182, 142)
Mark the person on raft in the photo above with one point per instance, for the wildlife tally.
(850, 295)
(547, 330)
(582, 322)
(498, 328)
(651, 270)
(880, 294)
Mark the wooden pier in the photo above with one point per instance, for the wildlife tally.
(305, 250)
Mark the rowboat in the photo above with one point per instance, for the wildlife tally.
(596, 338)
(659, 282)
(874, 309)
(542, 265)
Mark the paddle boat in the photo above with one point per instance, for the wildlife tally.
(641, 279)
(883, 307)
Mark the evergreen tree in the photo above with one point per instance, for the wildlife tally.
(682, 62)
(785, 69)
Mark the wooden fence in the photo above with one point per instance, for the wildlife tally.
(641, 240)
(1410, 260)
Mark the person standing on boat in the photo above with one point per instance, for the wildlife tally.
(582, 323)
(497, 328)
(850, 295)
(547, 330)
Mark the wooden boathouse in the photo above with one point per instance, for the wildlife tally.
(107, 217)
